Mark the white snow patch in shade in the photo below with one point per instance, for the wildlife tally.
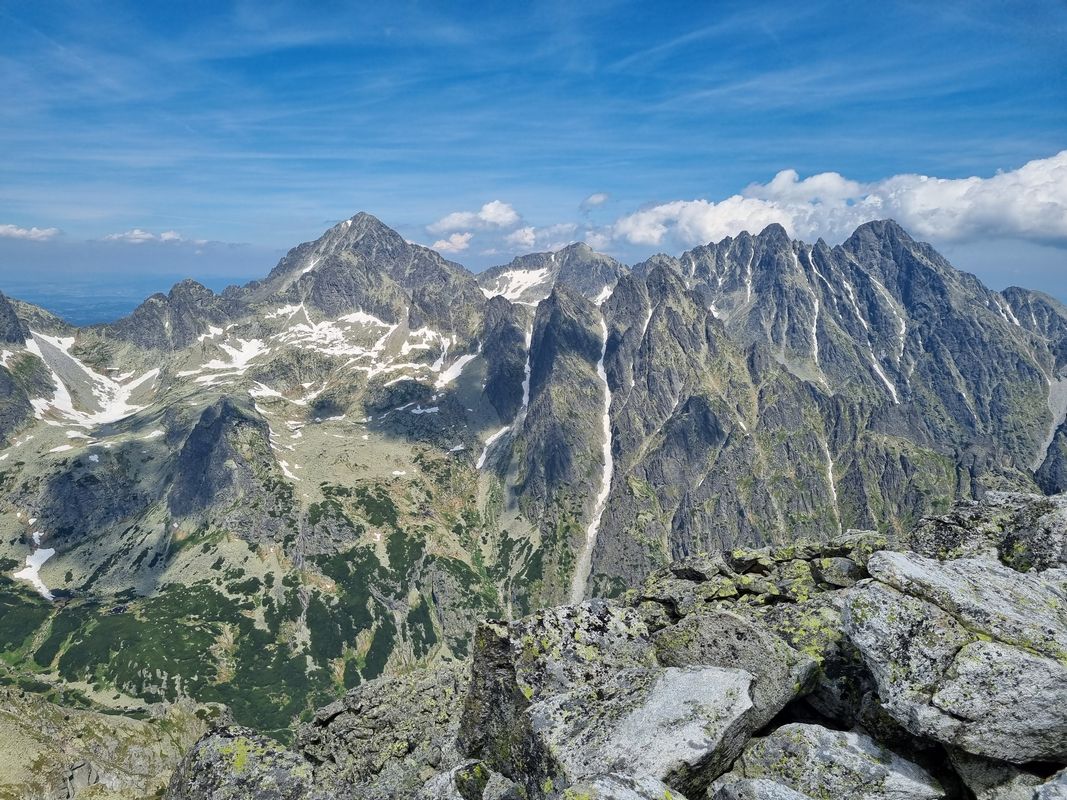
(282, 311)
(584, 564)
(212, 332)
(262, 390)
(457, 449)
(604, 294)
(454, 370)
(94, 458)
(424, 339)
(489, 443)
(34, 562)
(526, 372)
(240, 357)
(421, 410)
(61, 449)
(111, 396)
(153, 434)
(514, 283)
(363, 318)
(311, 265)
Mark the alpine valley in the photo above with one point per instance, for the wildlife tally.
(236, 507)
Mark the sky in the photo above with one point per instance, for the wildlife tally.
(145, 142)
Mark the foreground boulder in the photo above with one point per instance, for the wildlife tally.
(968, 652)
(816, 762)
(570, 694)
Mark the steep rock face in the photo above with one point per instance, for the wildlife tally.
(362, 265)
(225, 463)
(505, 350)
(557, 448)
(11, 330)
(172, 321)
(529, 279)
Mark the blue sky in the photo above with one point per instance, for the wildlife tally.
(206, 138)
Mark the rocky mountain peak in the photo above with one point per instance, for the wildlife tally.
(10, 327)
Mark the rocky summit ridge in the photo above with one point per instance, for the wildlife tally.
(265, 497)
(827, 669)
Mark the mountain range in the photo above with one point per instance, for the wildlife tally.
(265, 496)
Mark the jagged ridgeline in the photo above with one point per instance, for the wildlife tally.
(267, 496)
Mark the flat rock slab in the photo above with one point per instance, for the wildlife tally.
(818, 762)
(673, 724)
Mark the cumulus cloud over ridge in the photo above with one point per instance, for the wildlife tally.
(1027, 203)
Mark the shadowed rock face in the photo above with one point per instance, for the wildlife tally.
(722, 677)
(11, 331)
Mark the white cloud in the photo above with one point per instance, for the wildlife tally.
(550, 237)
(698, 221)
(32, 234)
(455, 243)
(594, 200)
(138, 236)
(1026, 203)
(494, 214)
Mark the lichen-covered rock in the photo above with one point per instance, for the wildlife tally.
(1023, 531)
(238, 764)
(571, 693)
(726, 639)
(822, 763)
(621, 787)
(546, 654)
(756, 789)
(815, 628)
(470, 780)
(388, 736)
(679, 725)
(1026, 610)
(993, 780)
(968, 652)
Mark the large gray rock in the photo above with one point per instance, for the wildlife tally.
(756, 789)
(993, 780)
(819, 762)
(1053, 789)
(726, 639)
(238, 764)
(621, 787)
(572, 693)
(678, 725)
(1023, 531)
(969, 653)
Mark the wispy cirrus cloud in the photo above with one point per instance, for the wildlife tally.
(34, 234)
(139, 236)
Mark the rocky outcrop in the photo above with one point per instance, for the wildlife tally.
(969, 653)
(816, 762)
(815, 670)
